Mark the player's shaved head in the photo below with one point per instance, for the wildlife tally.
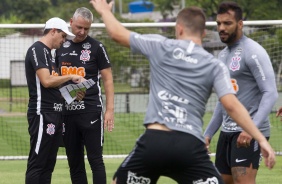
(193, 19)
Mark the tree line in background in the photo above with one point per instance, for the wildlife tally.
(38, 11)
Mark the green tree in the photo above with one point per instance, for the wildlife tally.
(5, 6)
(25, 11)
(165, 6)
(260, 10)
(38, 11)
(33, 10)
(253, 10)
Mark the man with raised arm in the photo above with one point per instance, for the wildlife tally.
(183, 75)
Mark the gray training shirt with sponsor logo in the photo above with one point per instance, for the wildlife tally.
(253, 79)
(182, 76)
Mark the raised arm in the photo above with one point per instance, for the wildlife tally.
(114, 28)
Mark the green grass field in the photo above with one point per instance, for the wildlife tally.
(14, 141)
(13, 172)
(14, 138)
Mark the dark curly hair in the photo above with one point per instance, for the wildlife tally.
(225, 6)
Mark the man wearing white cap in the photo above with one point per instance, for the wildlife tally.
(45, 102)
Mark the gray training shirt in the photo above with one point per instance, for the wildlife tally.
(182, 76)
(253, 79)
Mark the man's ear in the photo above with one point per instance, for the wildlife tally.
(240, 24)
(53, 30)
(204, 33)
(179, 30)
(71, 20)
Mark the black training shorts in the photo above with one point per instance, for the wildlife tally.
(173, 154)
(228, 155)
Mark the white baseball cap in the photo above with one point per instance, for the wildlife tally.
(58, 23)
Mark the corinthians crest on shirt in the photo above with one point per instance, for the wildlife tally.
(85, 55)
(235, 60)
(50, 129)
(235, 63)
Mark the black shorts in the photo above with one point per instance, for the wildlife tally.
(45, 132)
(85, 131)
(173, 154)
(228, 155)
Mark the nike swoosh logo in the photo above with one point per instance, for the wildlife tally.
(92, 122)
(242, 160)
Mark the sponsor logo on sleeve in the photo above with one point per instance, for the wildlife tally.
(105, 53)
(34, 56)
(259, 66)
(46, 55)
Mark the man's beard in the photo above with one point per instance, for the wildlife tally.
(231, 37)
